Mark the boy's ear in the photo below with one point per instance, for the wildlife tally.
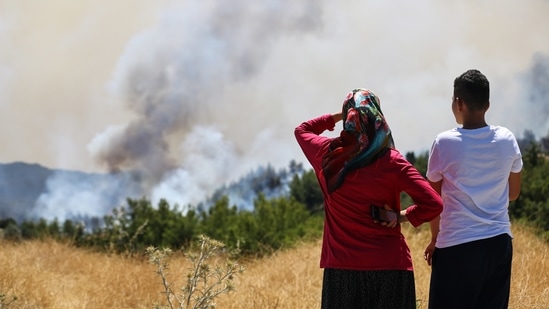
(460, 104)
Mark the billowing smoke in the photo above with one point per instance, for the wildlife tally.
(173, 77)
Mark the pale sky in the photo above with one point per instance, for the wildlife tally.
(104, 85)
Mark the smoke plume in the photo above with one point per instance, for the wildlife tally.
(172, 77)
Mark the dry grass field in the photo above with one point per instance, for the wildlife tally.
(48, 274)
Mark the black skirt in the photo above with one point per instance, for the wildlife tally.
(373, 289)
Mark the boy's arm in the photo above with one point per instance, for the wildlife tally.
(514, 185)
(437, 186)
(435, 226)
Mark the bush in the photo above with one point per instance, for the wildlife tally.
(12, 233)
(204, 282)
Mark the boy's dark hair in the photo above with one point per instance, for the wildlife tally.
(473, 88)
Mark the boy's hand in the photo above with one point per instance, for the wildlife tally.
(428, 254)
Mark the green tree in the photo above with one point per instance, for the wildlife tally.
(532, 206)
(12, 232)
(419, 162)
(305, 189)
(29, 230)
(72, 231)
(54, 230)
(166, 226)
(221, 222)
(5, 222)
(282, 221)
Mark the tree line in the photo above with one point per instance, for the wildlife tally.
(273, 223)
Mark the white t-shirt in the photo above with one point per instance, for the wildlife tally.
(474, 166)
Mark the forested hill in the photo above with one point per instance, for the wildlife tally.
(23, 187)
(20, 186)
(26, 190)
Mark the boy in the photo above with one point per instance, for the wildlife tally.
(476, 169)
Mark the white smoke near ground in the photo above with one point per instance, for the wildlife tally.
(79, 195)
(205, 92)
(208, 160)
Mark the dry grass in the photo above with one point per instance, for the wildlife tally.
(53, 275)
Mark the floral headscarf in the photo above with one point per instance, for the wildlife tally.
(364, 138)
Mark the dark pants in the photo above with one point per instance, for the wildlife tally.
(472, 275)
(377, 289)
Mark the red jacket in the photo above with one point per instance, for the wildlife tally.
(351, 239)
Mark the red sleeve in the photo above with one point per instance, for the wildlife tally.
(311, 142)
(428, 204)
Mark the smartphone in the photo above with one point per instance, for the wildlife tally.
(382, 214)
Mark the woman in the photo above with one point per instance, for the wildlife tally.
(367, 263)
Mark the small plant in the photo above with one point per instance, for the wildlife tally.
(6, 303)
(204, 282)
(117, 236)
